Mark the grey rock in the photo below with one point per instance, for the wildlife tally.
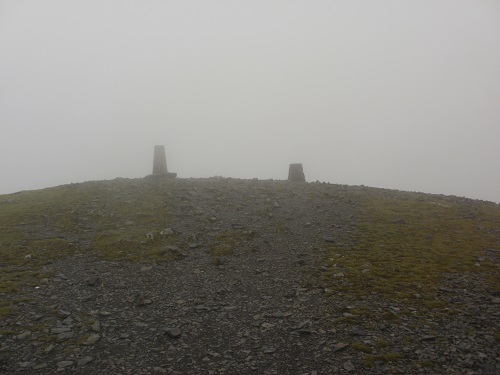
(23, 335)
(428, 338)
(339, 346)
(96, 326)
(348, 366)
(355, 331)
(63, 364)
(60, 329)
(65, 336)
(166, 232)
(84, 361)
(304, 331)
(26, 364)
(93, 281)
(173, 332)
(92, 339)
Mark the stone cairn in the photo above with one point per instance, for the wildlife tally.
(160, 164)
(296, 173)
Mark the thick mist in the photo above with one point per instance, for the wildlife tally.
(393, 94)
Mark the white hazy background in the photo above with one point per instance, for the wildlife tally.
(395, 94)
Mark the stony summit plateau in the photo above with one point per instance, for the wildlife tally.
(229, 276)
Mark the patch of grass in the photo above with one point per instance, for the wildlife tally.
(407, 242)
(7, 332)
(496, 334)
(346, 320)
(434, 304)
(6, 309)
(47, 338)
(427, 363)
(361, 347)
(389, 315)
(382, 343)
(391, 357)
(108, 218)
(227, 242)
(218, 261)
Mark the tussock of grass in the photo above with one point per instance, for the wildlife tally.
(361, 347)
(369, 360)
(382, 343)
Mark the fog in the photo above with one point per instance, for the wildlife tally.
(394, 94)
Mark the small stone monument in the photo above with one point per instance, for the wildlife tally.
(296, 173)
(160, 164)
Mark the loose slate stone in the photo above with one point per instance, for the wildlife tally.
(428, 338)
(64, 364)
(60, 330)
(173, 332)
(96, 327)
(305, 331)
(92, 339)
(358, 332)
(23, 335)
(267, 325)
(93, 281)
(84, 361)
(202, 307)
(339, 346)
(348, 366)
(26, 364)
(64, 336)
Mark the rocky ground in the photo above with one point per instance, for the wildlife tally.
(244, 306)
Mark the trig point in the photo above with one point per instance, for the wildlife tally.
(160, 164)
(296, 173)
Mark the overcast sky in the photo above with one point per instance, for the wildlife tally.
(395, 94)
